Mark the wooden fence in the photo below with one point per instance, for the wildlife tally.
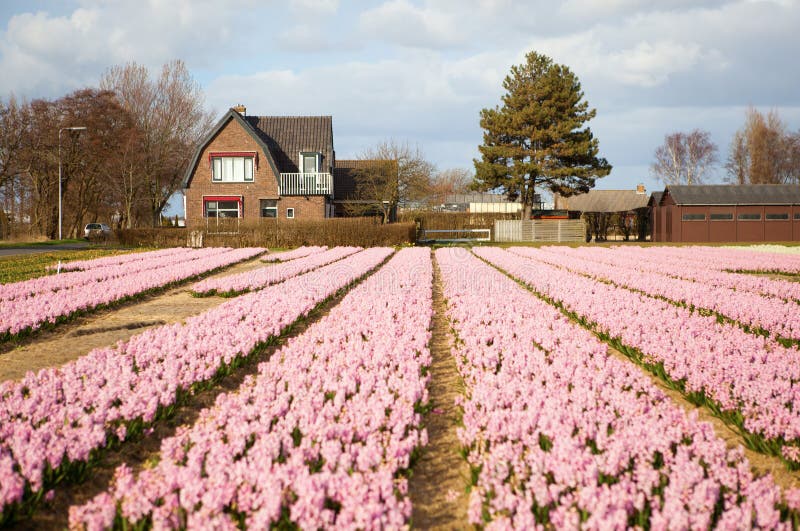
(556, 230)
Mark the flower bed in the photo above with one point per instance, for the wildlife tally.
(781, 249)
(23, 315)
(735, 259)
(748, 380)
(118, 260)
(52, 423)
(560, 434)
(300, 252)
(318, 439)
(767, 315)
(101, 273)
(660, 261)
(267, 275)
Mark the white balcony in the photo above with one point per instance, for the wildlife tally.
(306, 184)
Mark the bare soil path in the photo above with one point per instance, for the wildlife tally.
(440, 477)
(69, 341)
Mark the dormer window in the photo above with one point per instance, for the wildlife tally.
(232, 167)
(309, 162)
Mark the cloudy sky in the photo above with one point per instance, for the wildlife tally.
(421, 70)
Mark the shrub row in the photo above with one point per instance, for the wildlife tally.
(362, 232)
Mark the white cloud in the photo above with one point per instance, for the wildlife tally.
(314, 7)
(304, 38)
(401, 22)
(46, 54)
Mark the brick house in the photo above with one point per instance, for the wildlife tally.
(253, 167)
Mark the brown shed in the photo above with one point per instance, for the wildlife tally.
(727, 213)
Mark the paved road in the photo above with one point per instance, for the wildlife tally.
(42, 248)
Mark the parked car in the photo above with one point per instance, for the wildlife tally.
(96, 230)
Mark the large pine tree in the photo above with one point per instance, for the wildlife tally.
(537, 139)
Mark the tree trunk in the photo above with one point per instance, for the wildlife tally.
(526, 211)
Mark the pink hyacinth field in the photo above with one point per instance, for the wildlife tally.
(378, 388)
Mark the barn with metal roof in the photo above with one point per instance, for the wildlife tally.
(727, 213)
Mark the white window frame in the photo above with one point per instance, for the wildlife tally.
(248, 164)
(217, 210)
(290, 213)
(303, 155)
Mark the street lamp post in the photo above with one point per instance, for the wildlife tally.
(76, 128)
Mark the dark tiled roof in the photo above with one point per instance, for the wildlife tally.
(735, 194)
(604, 201)
(287, 136)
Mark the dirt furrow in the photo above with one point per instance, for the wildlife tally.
(440, 477)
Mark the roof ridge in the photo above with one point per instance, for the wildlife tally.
(291, 115)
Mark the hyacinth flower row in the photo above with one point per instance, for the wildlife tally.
(51, 283)
(317, 439)
(747, 379)
(300, 252)
(560, 434)
(116, 260)
(270, 274)
(656, 261)
(768, 248)
(22, 316)
(773, 316)
(52, 422)
(735, 259)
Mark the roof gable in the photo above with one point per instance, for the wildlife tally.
(235, 116)
(655, 199)
(288, 136)
(734, 194)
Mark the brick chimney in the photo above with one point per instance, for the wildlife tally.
(241, 109)
(640, 189)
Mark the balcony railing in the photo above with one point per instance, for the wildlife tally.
(306, 184)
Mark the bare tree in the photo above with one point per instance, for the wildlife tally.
(685, 158)
(13, 124)
(763, 151)
(451, 181)
(397, 176)
(791, 171)
(169, 113)
(738, 163)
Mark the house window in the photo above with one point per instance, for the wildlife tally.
(309, 162)
(722, 216)
(797, 216)
(290, 213)
(777, 216)
(229, 208)
(232, 169)
(693, 217)
(269, 208)
(748, 216)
